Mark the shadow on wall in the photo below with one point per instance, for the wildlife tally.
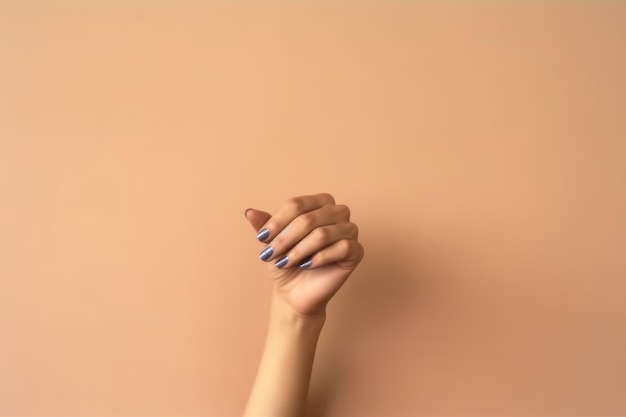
(381, 290)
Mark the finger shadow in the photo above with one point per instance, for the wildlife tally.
(383, 286)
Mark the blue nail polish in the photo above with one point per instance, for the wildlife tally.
(306, 263)
(266, 253)
(281, 262)
(263, 235)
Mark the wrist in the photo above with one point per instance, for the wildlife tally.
(285, 317)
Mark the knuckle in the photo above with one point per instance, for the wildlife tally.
(294, 205)
(322, 234)
(307, 221)
(354, 229)
(329, 198)
(343, 210)
(343, 247)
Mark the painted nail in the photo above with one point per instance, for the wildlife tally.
(263, 235)
(281, 262)
(266, 253)
(306, 263)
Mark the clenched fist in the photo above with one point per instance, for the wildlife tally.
(311, 248)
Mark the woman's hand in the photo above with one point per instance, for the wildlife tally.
(311, 249)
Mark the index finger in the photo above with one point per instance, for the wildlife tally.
(291, 209)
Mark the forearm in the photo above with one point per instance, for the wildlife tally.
(311, 248)
(282, 381)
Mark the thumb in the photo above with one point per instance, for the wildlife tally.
(257, 218)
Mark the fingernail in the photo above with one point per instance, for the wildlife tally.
(281, 262)
(266, 253)
(306, 264)
(263, 234)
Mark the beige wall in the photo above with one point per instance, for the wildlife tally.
(482, 149)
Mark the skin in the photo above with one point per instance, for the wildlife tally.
(303, 227)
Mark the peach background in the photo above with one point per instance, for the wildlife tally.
(481, 147)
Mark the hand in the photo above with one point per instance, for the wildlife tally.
(311, 250)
